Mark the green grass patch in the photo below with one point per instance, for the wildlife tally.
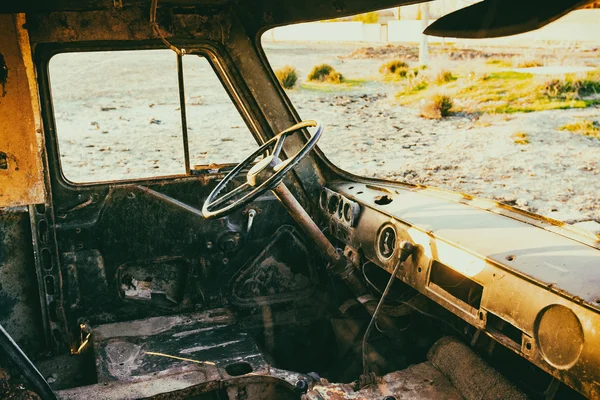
(508, 92)
(584, 127)
(508, 75)
(346, 84)
(496, 62)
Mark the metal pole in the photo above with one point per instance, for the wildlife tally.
(424, 46)
(305, 222)
(184, 129)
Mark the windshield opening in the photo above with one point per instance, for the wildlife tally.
(513, 119)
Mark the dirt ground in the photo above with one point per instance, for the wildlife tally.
(128, 126)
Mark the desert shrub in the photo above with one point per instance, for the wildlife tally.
(367, 18)
(325, 73)
(394, 67)
(558, 88)
(287, 76)
(520, 138)
(529, 63)
(590, 84)
(444, 76)
(571, 87)
(436, 107)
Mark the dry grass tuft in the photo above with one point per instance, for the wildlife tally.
(287, 76)
(444, 76)
(437, 106)
(396, 68)
(529, 63)
(521, 138)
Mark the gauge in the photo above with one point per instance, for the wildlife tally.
(348, 212)
(323, 200)
(333, 204)
(387, 242)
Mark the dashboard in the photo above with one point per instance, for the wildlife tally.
(529, 284)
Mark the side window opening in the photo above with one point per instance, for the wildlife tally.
(118, 116)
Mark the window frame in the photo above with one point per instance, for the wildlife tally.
(219, 61)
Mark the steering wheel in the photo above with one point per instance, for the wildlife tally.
(264, 175)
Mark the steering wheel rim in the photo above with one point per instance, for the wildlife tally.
(271, 164)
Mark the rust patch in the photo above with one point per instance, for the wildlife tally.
(3, 160)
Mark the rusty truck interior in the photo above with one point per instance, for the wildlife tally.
(275, 277)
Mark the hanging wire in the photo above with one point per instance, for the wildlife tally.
(157, 31)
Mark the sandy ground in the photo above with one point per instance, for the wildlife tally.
(115, 122)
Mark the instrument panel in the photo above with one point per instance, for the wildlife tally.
(530, 289)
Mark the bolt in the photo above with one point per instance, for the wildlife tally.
(209, 245)
(301, 386)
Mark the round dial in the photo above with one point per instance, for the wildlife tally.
(333, 204)
(387, 242)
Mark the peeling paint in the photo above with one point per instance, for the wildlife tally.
(21, 167)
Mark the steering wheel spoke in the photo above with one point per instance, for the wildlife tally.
(230, 195)
(278, 145)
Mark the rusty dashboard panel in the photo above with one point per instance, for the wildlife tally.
(534, 291)
(21, 173)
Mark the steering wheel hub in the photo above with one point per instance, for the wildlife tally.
(262, 176)
(263, 170)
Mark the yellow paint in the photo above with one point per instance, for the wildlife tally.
(20, 122)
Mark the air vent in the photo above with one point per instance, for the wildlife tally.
(496, 326)
(456, 285)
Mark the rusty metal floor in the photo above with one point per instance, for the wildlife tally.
(204, 352)
(144, 349)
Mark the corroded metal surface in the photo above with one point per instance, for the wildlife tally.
(417, 382)
(19, 304)
(140, 350)
(21, 176)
